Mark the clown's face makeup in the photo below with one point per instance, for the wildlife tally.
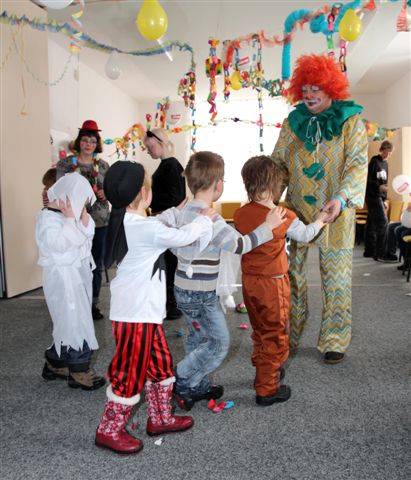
(315, 99)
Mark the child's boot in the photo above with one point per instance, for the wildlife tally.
(87, 380)
(111, 432)
(160, 420)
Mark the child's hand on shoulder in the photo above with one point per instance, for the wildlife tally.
(208, 212)
(65, 208)
(275, 217)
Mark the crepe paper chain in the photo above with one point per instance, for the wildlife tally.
(213, 62)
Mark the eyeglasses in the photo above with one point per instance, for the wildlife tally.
(313, 88)
(90, 141)
(150, 134)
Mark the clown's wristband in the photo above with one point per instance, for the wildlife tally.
(343, 202)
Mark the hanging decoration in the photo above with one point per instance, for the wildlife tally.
(55, 4)
(135, 134)
(173, 115)
(152, 20)
(76, 37)
(350, 26)
(112, 67)
(404, 18)
(162, 108)
(213, 63)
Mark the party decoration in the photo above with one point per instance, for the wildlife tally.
(402, 184)
(213, 63)
(173, 115)
(241, 308)
(235, 81)
(55, 4)
(404, 19)
(76, 37)
(350, 26)
(152, 20)
(112, 67)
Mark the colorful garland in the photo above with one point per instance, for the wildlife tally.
(94, 173)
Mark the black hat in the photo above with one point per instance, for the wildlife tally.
(122, 182)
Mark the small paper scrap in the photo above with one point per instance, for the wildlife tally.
(244, 326)
(216, 407)
(159, 441)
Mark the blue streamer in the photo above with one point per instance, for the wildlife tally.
(289, 24)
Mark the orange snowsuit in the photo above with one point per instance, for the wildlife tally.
(266, 291)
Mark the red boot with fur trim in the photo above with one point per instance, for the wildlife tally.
(111, 432)
(160, 420)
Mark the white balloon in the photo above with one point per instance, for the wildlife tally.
(173, 115)
(55, 4)
(402, 184)
(112, 68)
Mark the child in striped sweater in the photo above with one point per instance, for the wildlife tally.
(196, 281)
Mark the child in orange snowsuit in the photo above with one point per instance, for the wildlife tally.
(266, 288)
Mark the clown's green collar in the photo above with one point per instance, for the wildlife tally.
(312, 129)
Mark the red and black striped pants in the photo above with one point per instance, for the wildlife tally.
(141, 354)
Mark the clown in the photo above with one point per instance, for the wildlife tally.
(322, 147)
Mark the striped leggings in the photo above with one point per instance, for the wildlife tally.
(141, 354)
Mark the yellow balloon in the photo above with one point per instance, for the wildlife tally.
(235, 81)
(350, 26)
(152, 20)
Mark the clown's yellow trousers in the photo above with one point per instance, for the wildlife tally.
(336, 277)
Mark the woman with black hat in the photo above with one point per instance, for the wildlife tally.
(85, 161)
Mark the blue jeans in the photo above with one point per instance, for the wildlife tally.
(76, 360)
(207, 342)
(98, 249)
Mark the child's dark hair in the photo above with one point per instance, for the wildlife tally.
(88, 133)
(261, 175)
(202, 170)
(49, 178)
(387, 145)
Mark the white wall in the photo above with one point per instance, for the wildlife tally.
(397, 103)
(92, 96)
(25, 146)
(373, 106)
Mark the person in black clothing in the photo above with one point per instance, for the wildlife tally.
(169, 190)
(375, 197)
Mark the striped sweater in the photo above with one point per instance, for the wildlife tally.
(205, 265)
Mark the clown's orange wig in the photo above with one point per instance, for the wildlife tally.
(318, 70)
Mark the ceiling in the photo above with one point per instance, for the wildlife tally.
(378, 58)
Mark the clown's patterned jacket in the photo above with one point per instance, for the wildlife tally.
(338, 166)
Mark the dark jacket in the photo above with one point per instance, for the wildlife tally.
(168, 185)
(377, 175)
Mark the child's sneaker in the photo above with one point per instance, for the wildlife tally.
(88, 380)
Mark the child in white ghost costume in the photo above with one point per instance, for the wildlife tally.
(64, 233)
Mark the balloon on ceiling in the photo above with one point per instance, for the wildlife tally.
(55, 4)
(350, 26)
(112, 67)
(152, 20)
